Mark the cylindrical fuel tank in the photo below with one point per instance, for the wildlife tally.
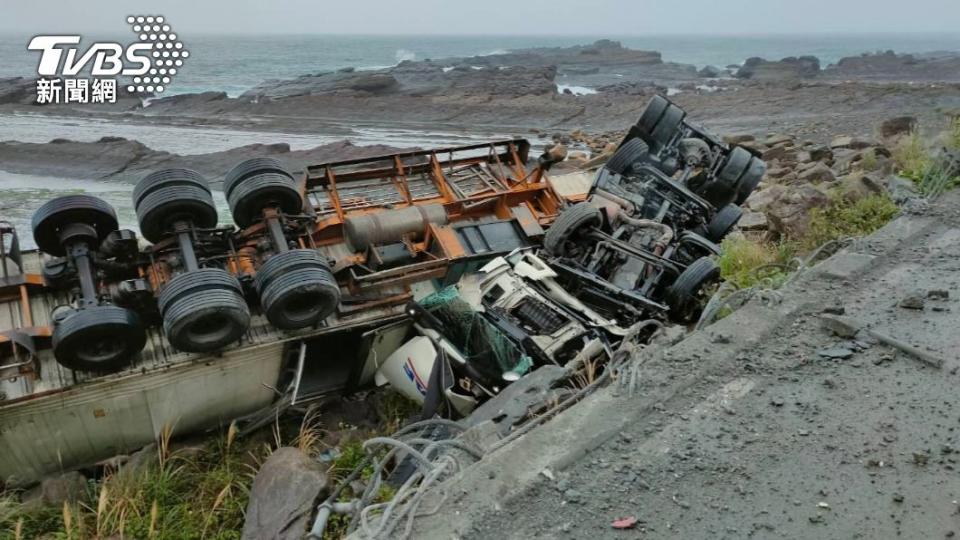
(389, 226)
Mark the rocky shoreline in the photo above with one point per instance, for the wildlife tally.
(517, 93)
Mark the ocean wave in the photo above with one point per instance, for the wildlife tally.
(576, 90)
(404, 54)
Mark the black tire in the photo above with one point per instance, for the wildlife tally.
(249, 196)
(723, 222)
(652, 114)
(738, 162)
(287, 261)
(684, 296)
(248, 168)
(668, 126)
(750, 180)
(56, 214)
(204, 310)
(166, 178)
(300, 298)
(99, 339)
(185, 284)
(162, 208)
(629, 153)
(567, 224)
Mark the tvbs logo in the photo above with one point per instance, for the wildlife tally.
(150, 63)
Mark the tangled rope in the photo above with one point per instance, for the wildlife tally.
(433, 459)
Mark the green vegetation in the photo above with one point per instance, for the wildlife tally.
(914, 160)
(751, 263)
(747, 263)
(911, 157)
(842, 219)
(191, 493)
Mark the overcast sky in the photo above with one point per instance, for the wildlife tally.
(588, 17)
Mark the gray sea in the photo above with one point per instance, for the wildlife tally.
(236, 63)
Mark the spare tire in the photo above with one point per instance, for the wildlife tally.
(57, 213)
(684, 296)
(567, 224)
(98, 339)
(629, 153)
(203, 311)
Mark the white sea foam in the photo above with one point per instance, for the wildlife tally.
(576, 90)
(404, 54)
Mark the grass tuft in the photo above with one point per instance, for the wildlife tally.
(911, 157)
(747, 263)
(842, 219)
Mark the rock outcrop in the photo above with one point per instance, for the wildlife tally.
(282, 496)
(803, 67)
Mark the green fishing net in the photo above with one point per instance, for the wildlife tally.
(477, 339)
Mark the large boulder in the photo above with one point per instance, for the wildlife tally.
(852, 143)
(759, 200)
(803, 67)
(898, 126)
(69, 487)
(283, 496)
(789, 215)
(859, 185)
(817, 173)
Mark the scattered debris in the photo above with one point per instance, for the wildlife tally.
(914, 300)
(836, 353)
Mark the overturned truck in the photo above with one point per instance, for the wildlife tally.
(109, 337)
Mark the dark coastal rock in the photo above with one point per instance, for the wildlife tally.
(802, 67)
(283, 496)
(119, 159)
(712, 72)
(890, 66)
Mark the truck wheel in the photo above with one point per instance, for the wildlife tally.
(56, 214)
(99, 339)
(258, 190)
(166, 178)
(163, 205)
(685, 296)
(750, 180)
(629, 153)
(248, 168)
(668, 126)
(300, 298)
(297, 289)
(567, 224)
(203, 311)
(723, 222)
(652, 114)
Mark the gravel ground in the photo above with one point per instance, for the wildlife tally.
(775, 439)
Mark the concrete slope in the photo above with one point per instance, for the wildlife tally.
(747, 430)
